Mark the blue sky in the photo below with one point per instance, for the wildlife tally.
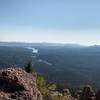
(65, 21)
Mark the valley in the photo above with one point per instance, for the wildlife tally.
(68, 66)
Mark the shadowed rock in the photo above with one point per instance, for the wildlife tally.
(98, 95)
(87, 93)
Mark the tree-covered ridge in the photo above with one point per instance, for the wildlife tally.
(50, 91)
(71, 67)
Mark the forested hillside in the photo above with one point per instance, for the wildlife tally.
(69, 66)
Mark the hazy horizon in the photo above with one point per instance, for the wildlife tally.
(52, 21)
(58, 43)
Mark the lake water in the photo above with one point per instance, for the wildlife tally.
(34, 50)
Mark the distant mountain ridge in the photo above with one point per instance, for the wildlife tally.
(40, 44)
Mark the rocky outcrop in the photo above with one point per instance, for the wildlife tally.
(16, 84)
(98, 95)
(67, 95)
(87, 93)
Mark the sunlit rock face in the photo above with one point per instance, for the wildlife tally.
(16, 84)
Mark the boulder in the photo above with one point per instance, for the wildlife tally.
(16, 84)
(67, 95)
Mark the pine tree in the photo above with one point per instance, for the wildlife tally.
(28, 67)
